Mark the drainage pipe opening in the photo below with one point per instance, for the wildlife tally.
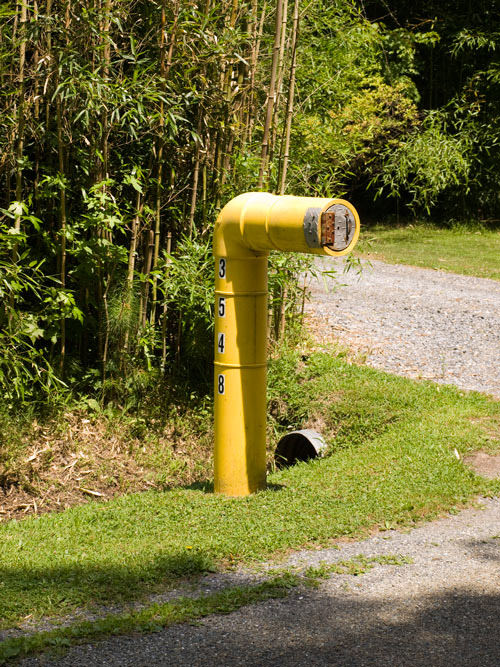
(298, 446)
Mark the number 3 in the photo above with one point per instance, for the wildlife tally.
(222, 268)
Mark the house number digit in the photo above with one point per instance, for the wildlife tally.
(221, 384)
(222, 306)
(221, 344)
(222, 268)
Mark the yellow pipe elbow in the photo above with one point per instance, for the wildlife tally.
(257, 222)
(247, 229)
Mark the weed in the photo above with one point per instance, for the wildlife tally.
(353, 567)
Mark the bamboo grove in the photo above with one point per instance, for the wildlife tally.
(124, 127)
(120, 123)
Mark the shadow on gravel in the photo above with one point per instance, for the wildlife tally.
(312, 628)
(488, 550)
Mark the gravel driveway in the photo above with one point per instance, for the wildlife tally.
(414, 322)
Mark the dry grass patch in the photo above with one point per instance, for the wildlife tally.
(82, 457)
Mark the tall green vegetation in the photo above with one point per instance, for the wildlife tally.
(125, 126)
(451, 53)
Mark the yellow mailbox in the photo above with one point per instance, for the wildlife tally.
(248, 227)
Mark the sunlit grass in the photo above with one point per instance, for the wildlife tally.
(472, 251)
(391, 462)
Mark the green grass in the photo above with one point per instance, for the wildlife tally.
(158, 616)
(391, 463)
(471, 251)
(150, 619)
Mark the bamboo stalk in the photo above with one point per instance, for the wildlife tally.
(131, 270)
(159, 174)
(281, 314)
(36, 112)
(20, 114)
(147, 270)
(279, 89)
(290, 100)
(253, 72)
(106, 55)
(173, 36)
(227, 134)
(196, 174)
(252, 30)
(107, 66)
(62, 222)
(164, 314)
(48, 11)
(270, 96)
(36, 59)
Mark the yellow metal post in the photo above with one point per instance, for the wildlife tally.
(248, 227)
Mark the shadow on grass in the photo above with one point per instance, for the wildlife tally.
(207, 486)
(28, 589)
(63, 587)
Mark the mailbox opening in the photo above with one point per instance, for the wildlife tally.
(337, 227)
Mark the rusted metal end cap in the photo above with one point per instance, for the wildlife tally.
(298, 446)
(337, 227)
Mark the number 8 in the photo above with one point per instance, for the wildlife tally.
(221, 384)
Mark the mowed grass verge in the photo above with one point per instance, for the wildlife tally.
(471, 251)
(392, 462)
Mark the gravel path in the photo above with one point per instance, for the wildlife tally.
(441, 610)
(414, 322)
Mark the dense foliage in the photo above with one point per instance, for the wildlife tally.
(125, 126)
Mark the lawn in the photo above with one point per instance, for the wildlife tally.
(392, 461)
(471, 251)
